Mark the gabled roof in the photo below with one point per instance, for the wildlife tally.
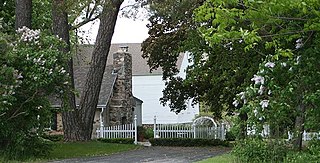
(139, 64)
(80, 74)
(80, 79)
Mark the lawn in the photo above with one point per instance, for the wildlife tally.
(63, 150)
(225, 158)
(86, 149)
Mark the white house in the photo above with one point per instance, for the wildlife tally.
(147, 86)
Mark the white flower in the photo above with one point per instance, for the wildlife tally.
(283, 64)
(255, 111)
(290, 69)
(235, 103)
(298, 59)
(264, 103)
(270, 64)
(50, 71)
(260, 91)
(258, 79)
(260, 118)
(28, 35)
(269, 92)
(242, 95)
(299, 43)
(19, 76)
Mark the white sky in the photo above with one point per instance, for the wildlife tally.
(126, 30)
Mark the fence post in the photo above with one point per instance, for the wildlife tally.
(154, 127)
(194, 130)
(222, 132)
(135, 130)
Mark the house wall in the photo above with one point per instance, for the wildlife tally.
(138, 112)
(149, 90)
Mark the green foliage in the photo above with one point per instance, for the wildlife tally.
(311, 154)
(258, 150)
(187, 142)
(117, 140)
(54, 138)
(225, 158)
(25, 146)
(148, 133)
(230, 136)
(216, 71)
(31, 69)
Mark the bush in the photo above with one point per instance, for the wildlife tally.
(148, 134)
(54, 138)
(312, 154)
(117, 140)
(28, 146)
(230, 136)
(187, 142)
(258, 150)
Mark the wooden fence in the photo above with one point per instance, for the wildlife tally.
(188, 131)
(120, 131)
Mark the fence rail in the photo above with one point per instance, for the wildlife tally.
(120, 131)
(188, 131)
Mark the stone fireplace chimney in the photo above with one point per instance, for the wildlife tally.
(121, 104)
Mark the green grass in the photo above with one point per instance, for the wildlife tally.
(225, 158)
(63, 150)
(86, 149)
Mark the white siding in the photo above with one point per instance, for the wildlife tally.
(149, 90)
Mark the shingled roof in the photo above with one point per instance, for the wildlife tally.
(81, 67)
(139, 64)
(80, 73)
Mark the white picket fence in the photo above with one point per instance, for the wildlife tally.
(306, 136)
(188, 131)
(120, 131)
(164, 131)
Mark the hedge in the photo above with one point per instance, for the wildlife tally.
(187, 142)
(117, 140)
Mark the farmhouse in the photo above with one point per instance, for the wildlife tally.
(146, 87)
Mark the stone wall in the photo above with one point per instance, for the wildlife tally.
(121, 103)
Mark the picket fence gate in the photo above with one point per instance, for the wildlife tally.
(193, 131)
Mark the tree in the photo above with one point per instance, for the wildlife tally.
(90, 94)
(287, 30)
(61, 29)
(23, 13)
(78, 122)
(216, 71)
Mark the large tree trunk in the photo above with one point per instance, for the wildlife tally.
(90, 94)
(70, 118)
(23, 13)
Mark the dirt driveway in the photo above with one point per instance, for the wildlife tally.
(156, 155)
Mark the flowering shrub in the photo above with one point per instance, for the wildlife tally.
(32, 68)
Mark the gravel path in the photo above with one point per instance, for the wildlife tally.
(155, 155)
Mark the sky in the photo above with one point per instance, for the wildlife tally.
(126, 30)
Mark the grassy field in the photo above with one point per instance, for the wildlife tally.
(225, 158)
(63, 150)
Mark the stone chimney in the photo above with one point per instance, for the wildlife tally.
(121, 104)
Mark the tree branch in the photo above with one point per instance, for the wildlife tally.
(84, 22)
